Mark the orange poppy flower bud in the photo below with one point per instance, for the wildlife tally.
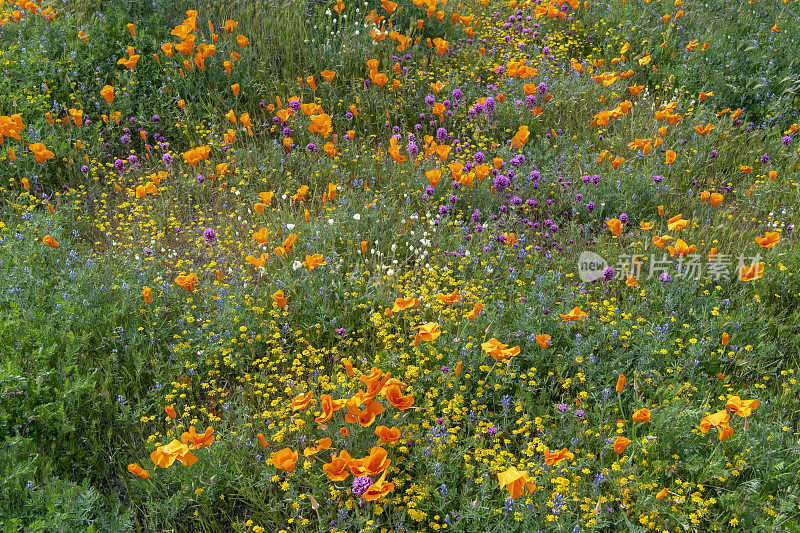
(348, 367)
(170, 410)
(621, 383)
(138, 471)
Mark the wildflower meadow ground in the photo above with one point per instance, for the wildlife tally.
(406, 266)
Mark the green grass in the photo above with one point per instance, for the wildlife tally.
(88, 367)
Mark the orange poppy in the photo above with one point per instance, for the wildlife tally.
(165, 455)
(321, 444)
(620, 444)
(198, 440)
(41, 152)
(615, 226)
(404, 303)
(332, 191)
(329, 407)
(719, 420)
(338, 468)
(553, 458)
(396, 398)
(681, 249)
(743, 408)
(379, 489)
(366, 416)
(279, 298)
(328, 75)
(472, 315)
(301, 402)
(641, 415)
(50, 241)
(636, 89)
(448, 299)
(285, 459)
(147, 292)
(621, 381)
(348, 367)
(434, 176)
(499, 351)
(261, 236)
(257, 262)
(107, 93)
(441, 45)
(769, 240)
(661, 241)
(388, 435)
(677, 223)
(313, 261)
(521, 137)
(300, 195)
(516, 482)
(376, 462)
(429, 332)
(575, 314)
(543, 340)
(752, 272)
